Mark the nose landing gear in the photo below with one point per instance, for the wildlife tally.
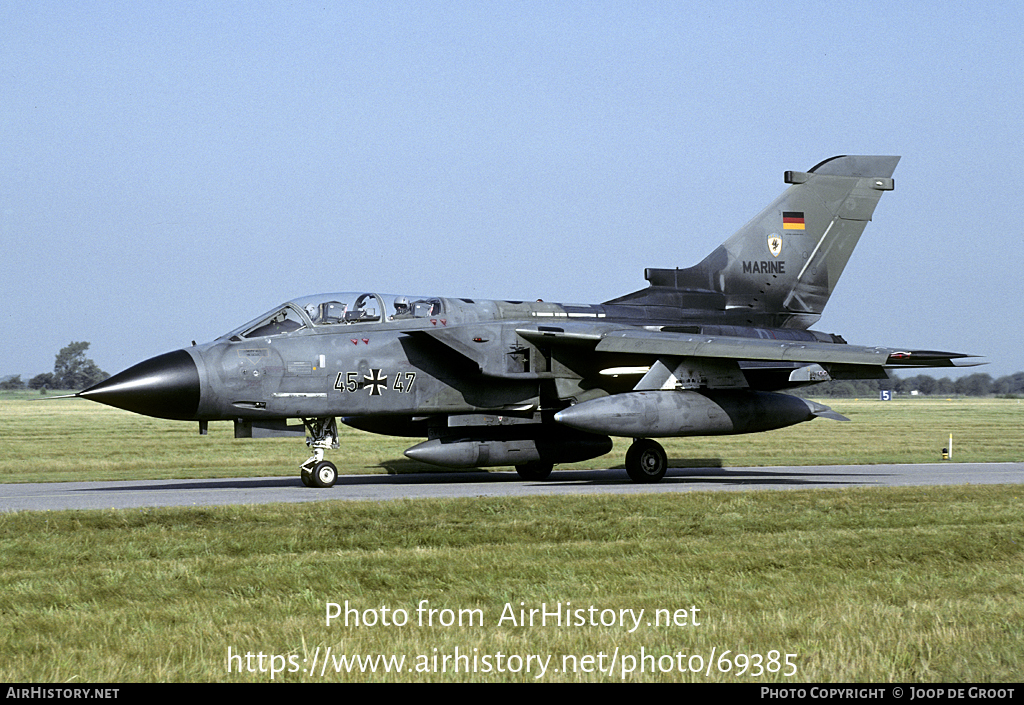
(323, 434)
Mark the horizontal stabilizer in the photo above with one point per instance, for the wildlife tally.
(932, 358)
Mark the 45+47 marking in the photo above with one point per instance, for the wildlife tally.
(376, 382)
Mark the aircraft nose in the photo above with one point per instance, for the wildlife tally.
(166, 386)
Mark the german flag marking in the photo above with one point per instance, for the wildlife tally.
(793, 220)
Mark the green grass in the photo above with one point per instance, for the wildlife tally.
(903, 584)
(64, 440)
(876, 584)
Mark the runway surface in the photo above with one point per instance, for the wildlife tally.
(260, 490)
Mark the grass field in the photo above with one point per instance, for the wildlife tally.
(62, 440)
(876, 584)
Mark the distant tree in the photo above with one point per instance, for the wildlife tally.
(976, 385)
(846, 388)
(1009, 385)
(12, 383)
(843, 389)
(43, 381)
(945, 387)
(72, 370)
(916, 383)
(926, 384)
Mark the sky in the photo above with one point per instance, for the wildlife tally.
(169, 171)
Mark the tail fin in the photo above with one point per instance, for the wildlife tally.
(780, 268)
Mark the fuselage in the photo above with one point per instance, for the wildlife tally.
(384, 361)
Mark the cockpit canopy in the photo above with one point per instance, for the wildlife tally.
(351, 308)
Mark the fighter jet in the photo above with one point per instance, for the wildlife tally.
(704, 350)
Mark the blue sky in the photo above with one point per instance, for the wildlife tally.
(171, 170)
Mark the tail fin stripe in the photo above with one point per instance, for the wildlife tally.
(815, 250)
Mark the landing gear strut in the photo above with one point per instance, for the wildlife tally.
(323, 434)
(646, 461)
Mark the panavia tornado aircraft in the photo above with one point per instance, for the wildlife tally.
(699, 351)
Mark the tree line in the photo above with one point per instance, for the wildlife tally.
(976, 385)
(71, 370)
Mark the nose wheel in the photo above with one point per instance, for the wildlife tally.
(323, 434)
(324, 474)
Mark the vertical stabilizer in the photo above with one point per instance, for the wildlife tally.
(779, 269)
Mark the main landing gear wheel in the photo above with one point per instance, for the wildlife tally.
(324, 474)
(535, 470)
(646, 461)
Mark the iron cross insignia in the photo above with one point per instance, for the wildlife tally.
(376, 381)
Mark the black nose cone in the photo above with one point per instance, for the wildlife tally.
(166, 386)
